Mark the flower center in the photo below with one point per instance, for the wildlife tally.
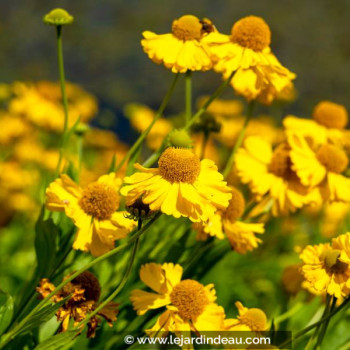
(255, 319)
(251, 32)
(333, 158)
(190, 298)
(332, 262)
(236, 206)
(187, 28)
(331, 115)
(99, 200)
(280, 164)
(90, 284)
(179, 165)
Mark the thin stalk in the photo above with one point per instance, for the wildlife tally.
(118, 289)
(204, 143)
(159, 113)
(323, 330)
(239, 140)
(64, 95)
(188, 95)
(316, 324)
(11, 334)
(215, 95)
(80, 153)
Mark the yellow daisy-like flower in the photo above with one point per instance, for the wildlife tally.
(247, 51)
(321, 165)
(183, 49)
(249, 319)
(328, 124)
(326, 267)
(190, 306)
(93, 211)
(182, 185)
(241, 235)
(268, 173)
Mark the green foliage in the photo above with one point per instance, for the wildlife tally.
(46, 233)
(58, 342)
(6, 310)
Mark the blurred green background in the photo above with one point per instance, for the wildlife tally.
(103, 53)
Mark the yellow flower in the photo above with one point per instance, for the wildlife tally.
(183, 49)
(222, 108)
(249, 319)
(262, 126)
(334, 218)
(41, 104)
(326, 267)
(182, 185)
(141, 117)
(190, 306)
(247, 51)
(328, 124)
(321, 165)
(240, 234)
(85, 291)
(93, 211)
(268, 173)
(12, 129)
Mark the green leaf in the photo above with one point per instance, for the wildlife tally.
(6, 310)
(45, 244)
(58, 341)
(72, 172)
(41, 316)
(113, 164)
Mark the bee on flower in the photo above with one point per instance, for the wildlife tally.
(190, 306)
(258, 73)
(241, 235)
(84, 291)
(183, 49)
(93, 210)
(182, 185)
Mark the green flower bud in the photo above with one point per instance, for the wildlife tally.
(81, 129)
(180, 138)
(58, 17)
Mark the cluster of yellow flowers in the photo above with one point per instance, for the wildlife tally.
(196, 45)
(190, 306)
(226, 174)
(299, 166)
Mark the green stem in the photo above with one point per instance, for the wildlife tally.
(118, 289)
(80, 152)
(64, 95)
(159, 113)
(239, 141)
(204, 143)
(329, 308)
(11, 334)
(216, 94)
(316, 324)
(188, 95)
